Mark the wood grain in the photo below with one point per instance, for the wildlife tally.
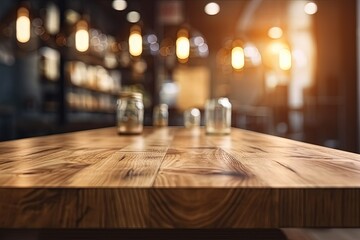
(213, 208)
(73, 208)
(176, 178)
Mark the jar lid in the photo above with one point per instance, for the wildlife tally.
(130, 95)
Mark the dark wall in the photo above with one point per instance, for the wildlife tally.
(336, 78)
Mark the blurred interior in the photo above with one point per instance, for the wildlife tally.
(288, 67)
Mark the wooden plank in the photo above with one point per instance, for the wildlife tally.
(319, 207)
(74, 208)
(193, 161)
(203, 167)
(213, 208)
(134, 164)
(351, 208)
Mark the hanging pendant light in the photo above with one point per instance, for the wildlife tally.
(135, 41)
(237, 55)
(82, 36)
(183, 45)
(23, 26)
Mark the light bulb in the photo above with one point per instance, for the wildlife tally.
(82, 37)
(237, 58)
(23, 25)
(135, 41)
(183, 46)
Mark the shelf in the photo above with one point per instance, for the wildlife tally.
(99, 111)
(88, 58)
(93, 90)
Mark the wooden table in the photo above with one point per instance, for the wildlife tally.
(175, 178)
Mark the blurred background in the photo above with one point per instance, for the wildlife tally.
(288, 67)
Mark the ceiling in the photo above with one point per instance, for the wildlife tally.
(246, 17)
(256, 15)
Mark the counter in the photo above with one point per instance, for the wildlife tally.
(175, 178)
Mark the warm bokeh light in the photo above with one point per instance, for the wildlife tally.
(135, 41)
(52, 23)
(275, 47)
(271, 80)
(212, 8)
(278, 56)
(119, 5)
(310, 8)
(275, 32)
(82, 37)
(133, 17)
(237, 58)
(284, 59)
(51, 63)
(195, 112)
(71, 16)
(183, 46)
(300, 58)
(199, 40)
(252, 54)
(23, 25)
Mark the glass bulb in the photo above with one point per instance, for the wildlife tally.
(135, 43)
(23, 25)
(182, 48)
(82, 37)
(237, 58)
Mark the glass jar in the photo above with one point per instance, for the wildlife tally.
(130, 113)
(218, 116)
(192, 117)
(160, 115)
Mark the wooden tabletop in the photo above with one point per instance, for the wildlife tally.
(176, 178)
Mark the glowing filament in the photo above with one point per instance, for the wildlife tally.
(23, 25)
(237, 58)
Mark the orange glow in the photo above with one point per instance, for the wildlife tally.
(285, 59)
(278, 56)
